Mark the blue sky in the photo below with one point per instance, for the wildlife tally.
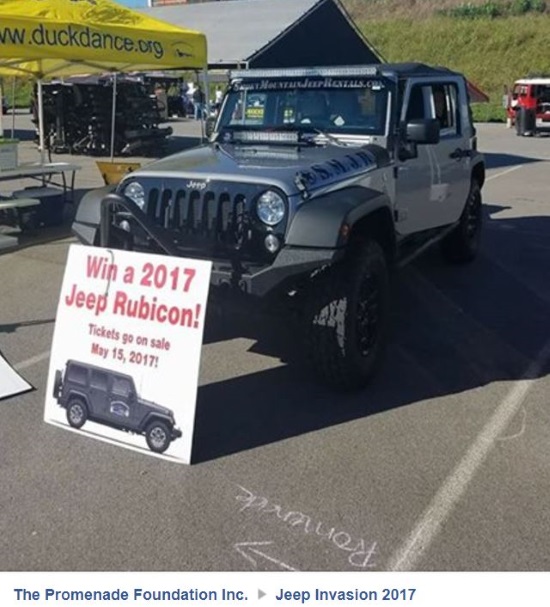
(133, 3)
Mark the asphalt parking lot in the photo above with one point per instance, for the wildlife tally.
(441, 464)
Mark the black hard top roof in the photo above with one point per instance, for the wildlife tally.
(415, 69)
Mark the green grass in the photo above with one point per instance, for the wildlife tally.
(491, 53)
(23, 89)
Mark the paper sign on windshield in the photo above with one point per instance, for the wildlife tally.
(126, 350)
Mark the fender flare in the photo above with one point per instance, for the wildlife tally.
(155, 417)
(318, 222)
(74, 394)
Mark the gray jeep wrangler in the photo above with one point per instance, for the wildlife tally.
(106, 397)
(313, 185)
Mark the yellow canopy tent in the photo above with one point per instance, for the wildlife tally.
(46, 38)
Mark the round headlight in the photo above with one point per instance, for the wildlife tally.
(135, 192)
(270, 208)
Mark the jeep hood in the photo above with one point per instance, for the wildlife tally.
(290, 168)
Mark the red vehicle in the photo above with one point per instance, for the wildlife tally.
(528, 106)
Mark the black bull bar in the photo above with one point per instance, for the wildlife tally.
(255, 280)
(108, 205)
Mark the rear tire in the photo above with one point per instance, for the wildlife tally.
(462, 244)
(77, 413)
(346, 317)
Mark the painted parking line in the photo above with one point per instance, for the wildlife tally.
(25, 364)
(510, 170)
(433, 518)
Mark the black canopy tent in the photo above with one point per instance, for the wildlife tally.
(323, 36)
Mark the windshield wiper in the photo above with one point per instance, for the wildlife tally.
(333, 139)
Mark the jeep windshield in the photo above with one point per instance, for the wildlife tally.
(347, 108)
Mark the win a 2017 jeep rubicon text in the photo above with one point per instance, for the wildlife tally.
(314, 184)
(110, 398)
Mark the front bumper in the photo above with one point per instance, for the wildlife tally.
(250, 278)
(291, 262)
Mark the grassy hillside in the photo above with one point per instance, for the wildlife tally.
(491, 52)
(421, 9)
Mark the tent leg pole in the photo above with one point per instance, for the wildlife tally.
(41, 137)
(113, 117)
(13, 108)
(1, 119)
(206, 102)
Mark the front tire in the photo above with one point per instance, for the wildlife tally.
(346, 317)
(158, 437)
(77, 413)
(462, 244)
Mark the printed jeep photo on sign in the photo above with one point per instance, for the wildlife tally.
(126, 349)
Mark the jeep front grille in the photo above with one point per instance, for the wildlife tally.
(215, 219)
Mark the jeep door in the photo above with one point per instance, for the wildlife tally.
(122, 403)
(432, 186)
(99, 395)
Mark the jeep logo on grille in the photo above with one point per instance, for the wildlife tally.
(196, 185)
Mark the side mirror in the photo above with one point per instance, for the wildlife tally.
(423, 131)
(209, 126)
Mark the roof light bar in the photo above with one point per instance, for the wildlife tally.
(263, 137)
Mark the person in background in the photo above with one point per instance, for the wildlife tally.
(162, 100)
(198, 102)
(174, 100)
(184, 93)
(218, 96)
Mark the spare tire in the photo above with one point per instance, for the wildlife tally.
(57, 383)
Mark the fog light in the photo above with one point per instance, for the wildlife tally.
(272, 243)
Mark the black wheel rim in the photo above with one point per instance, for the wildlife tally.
(367, 317)
(76, 414)
(158, 437)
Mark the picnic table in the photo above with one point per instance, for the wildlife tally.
(45, 174)
(56, 178)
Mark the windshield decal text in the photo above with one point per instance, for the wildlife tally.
(309, 83)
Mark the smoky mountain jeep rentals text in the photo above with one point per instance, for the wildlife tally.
(314, 184)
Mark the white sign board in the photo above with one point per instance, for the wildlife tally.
(126, 349)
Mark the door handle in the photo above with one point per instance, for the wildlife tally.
(458, 154)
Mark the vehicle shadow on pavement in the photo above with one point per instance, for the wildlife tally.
(495, 160)
(454, 329)
(13, 326)
(19, 133)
